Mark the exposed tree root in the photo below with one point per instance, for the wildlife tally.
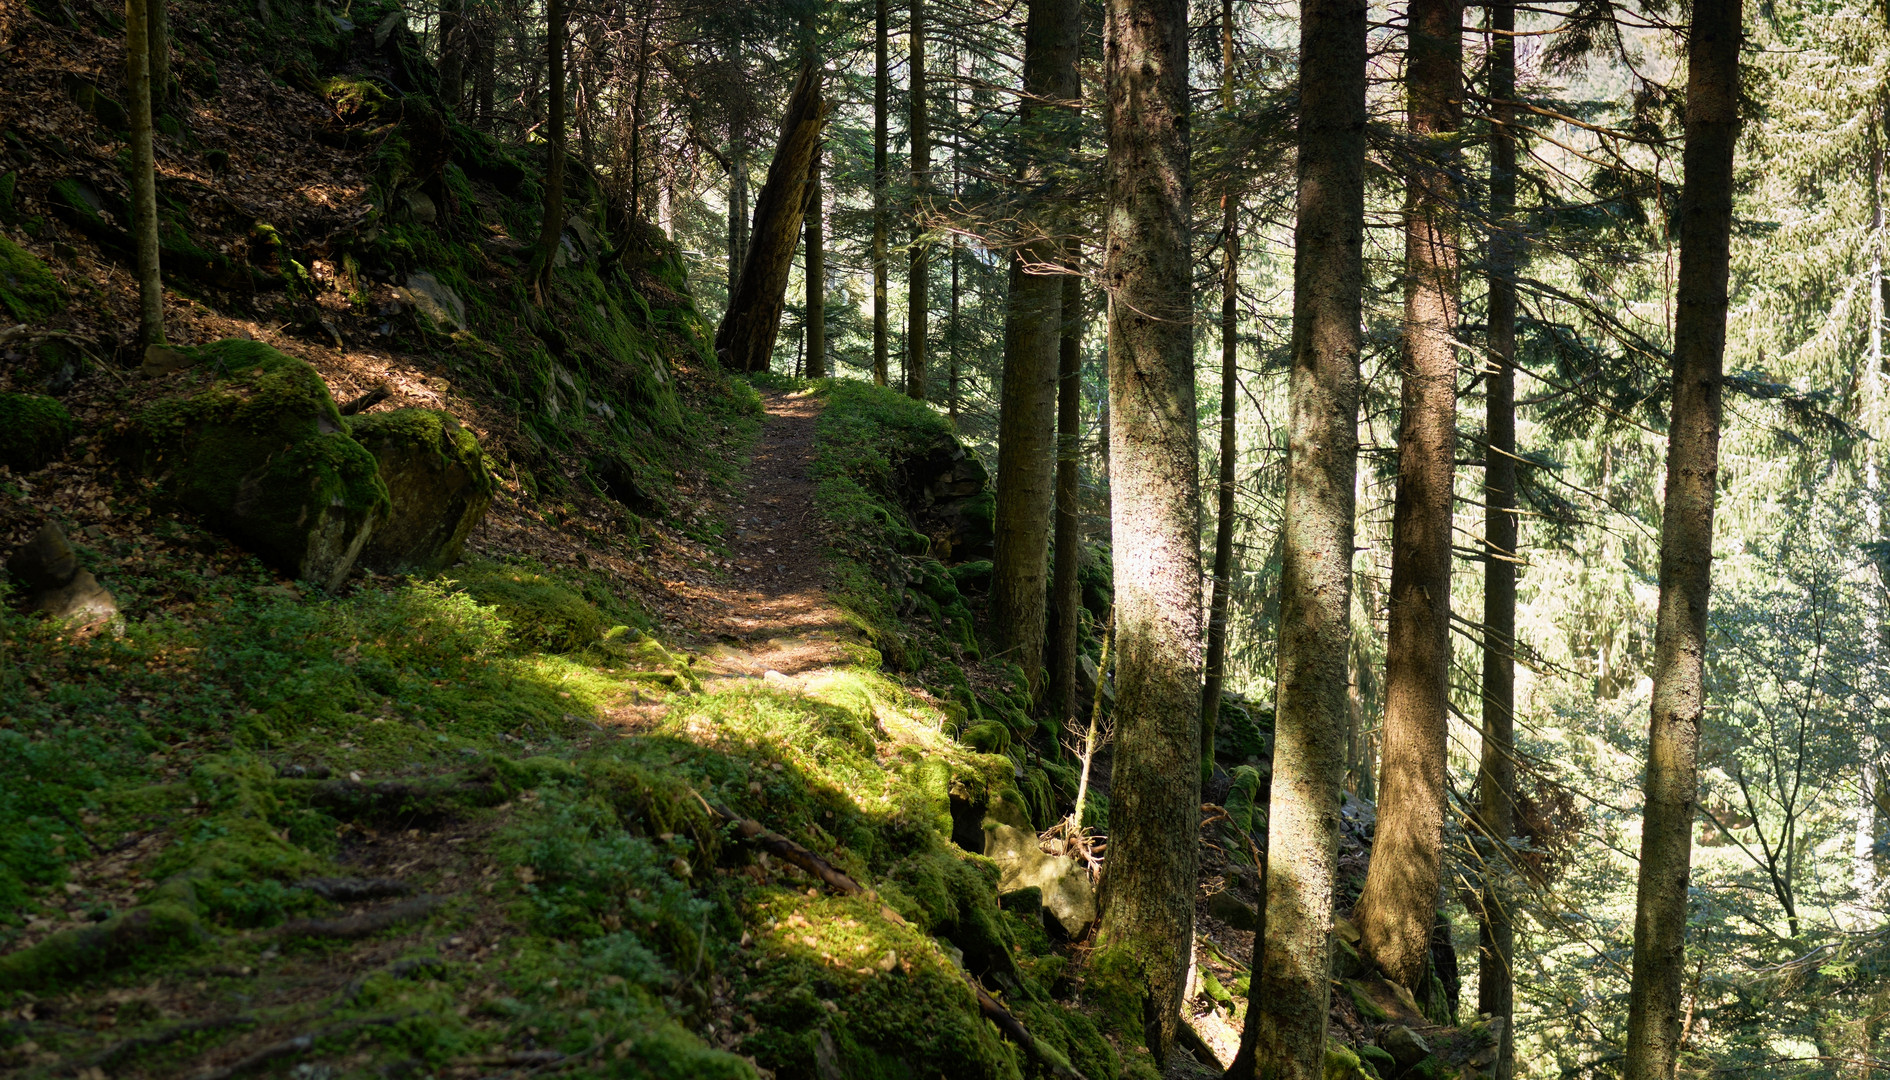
(364, 924)
(838, 880)
(388, 800)
(353, 890)
(289, 1047)
(117, 1052)
(166, 919)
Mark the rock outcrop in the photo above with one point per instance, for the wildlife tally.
(438, 480)
(1011, 841)
(48, 573)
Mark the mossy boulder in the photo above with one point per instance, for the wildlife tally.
(540, 613)
(439, 481)
(260, 451)
(33, 431)
(28, 290)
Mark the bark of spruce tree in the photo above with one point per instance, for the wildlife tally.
(1148, 880)
(1686, 541)
(452, 65)
(1065, 590)
(144, 221)
(882, 87)
(745, 340)
(1496, 780)
(551, 229)
(1398, 908)
(1285, 1035)
(816, 273)
(158, 44)
(1032, 330)
(1213, 675)
(918, 256)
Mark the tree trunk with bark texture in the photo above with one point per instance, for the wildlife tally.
(737, 205)
(1399, 905)
(1496, 988)
(918, 257)
(816, 273)
(1285, 1036)
(144, 220)
(882, 87)
(745, 340)
(158, 43)
(1148, 881)
(1214, 675)
(1032, 329)
(1686, 541)
(452, 55)
(551, 229)
(1066, 590)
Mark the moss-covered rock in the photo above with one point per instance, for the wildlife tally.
(539, 612)
(28, 291)
(33, 431)
(261, 453)
(439, 481)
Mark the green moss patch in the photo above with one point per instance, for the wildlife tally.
(29, 292)
(33, 430)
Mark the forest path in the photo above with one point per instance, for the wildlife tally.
(772, 614)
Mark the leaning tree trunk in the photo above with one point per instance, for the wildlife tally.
(882, 85)
(1032, 329)
(745, 340)
(1686, 541)
(1285, 1036)
(1065, 589)
(143, 171)
(1399, 905)
(1496, 780)
(918, 257)
(1148, 881)
(551, 229)
(1215, 674)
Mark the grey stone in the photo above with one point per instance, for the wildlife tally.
(48, 570)
(1233, 911)
(163, 360)
(421, 207)
(1405, 1046)
(437, 300)
(1011, 841)
(438, 480)
(1086, 675)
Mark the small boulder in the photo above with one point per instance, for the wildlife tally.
(1010, 840)
(438, 480)
(29, 292)
(437, 301)
(261, 453)
(1405, 1046)
(1233, 911)
(1086, 676)
(49, 575)
(160, 360)
(34, 431)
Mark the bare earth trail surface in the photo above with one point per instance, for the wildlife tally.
(771, 614)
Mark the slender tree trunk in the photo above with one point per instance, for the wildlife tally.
(143, 171)
(485, 76)
(1686, 541)
(816, 274)
(951, 400)
(918, 256)
(636, 115)
(1496, 993)
(882, 86)
(452, 55)
(1064, 586)
(1032, 329)
(737, 205)
(1399, 905)
(745, 340)
(158, 43)
(1155, 808)
(1871, 412)
(1285, 1036)
(1215, 674)
(551, 230)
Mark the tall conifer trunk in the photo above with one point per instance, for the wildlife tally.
(1399, 905)
(1032, 329)
(1686, 541)
(551, 229)
(1285, 1036)
(1215, 674)
(816, 274)
(918, 257)
(1496, 781)
(1148, 881)
(1065, 590)
(882, 87)
(143, 171)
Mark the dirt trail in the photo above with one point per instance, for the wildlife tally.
(771, 614)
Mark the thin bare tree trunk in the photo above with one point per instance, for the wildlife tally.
(1686, 542)
(1148, 884)
(551, 229)
(1496, 990)
(1398, 908)
(158, 43)
(918, 256)
(1064, 586)
(636, 114)
(1285, 1035)
(1215, 673)
(745, 340)
(452, 55)
(815, 227)
(1032, 329)
(882, 86)
(143, 171)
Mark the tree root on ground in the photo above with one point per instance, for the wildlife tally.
(342, 890)
(359, 926)
(406, 800)
(841, 882)
(300, 1044)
